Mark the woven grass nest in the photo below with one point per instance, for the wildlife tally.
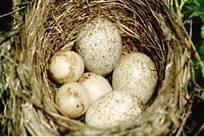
(146, 26)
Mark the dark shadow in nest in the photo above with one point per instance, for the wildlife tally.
(5, 21)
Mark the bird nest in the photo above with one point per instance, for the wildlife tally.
(146, 26)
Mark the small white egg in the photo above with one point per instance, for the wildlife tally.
(95, 84)
(66, 66)
(99, 44)
(112, 109)
(136, 73)
(72, 99)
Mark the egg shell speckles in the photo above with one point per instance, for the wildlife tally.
(136, 73)
(72, 99)
(113, 109)
(99, 43)
(66, 66)
(95, 84)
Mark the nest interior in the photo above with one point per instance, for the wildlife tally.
(146, 26)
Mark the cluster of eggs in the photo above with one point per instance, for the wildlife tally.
(85, 89)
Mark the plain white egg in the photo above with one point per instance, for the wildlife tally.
(72, 99)
(99, 44)
(112, 109)
(66, 66)
(136, 73)
(95, 84)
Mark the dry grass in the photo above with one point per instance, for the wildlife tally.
(145, 26)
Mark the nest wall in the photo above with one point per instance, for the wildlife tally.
(146, 26)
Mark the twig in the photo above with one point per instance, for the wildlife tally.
(200, 130)
(9, 34)
(10, 13)
(183, 124)
(188, 43)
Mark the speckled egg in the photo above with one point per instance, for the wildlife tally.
(66, 66)
(99, 44)
(72, 99)
(95, 84)
(136, 73)
(112, 109)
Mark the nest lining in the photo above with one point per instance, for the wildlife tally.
(52, 25)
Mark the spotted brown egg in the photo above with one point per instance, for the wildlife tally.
(99, 44)
(72, 99)
(66, 66)
(113, 109)
(95, 84)
(136, 73)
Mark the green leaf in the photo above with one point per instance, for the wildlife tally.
(201, 50)
(191, 9)
(200, 3)
(202, 32)
(194, 8)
